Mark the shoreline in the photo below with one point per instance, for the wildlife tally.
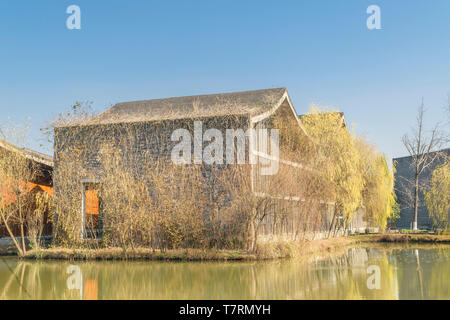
(265, 251)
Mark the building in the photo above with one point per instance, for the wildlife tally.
(404, 189)
(144, 130)
(42, 182)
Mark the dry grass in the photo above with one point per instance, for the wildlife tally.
(264, 251)
(401, 238)
(420, 238)
(60, 253)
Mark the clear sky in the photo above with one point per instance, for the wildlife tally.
(322, 51)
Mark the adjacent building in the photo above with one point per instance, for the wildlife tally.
(404, 189)
(42, 182)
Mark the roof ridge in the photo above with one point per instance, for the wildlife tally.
(436, 151)
(201, 95)
(28, 153)
(217, 104)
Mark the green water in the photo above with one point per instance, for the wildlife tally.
(359, 273)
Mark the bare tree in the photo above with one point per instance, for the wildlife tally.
(448, 107)
(447, 111)
(423, 146)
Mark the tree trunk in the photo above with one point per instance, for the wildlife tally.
(253, 236)
(332, 223)
(21, 219)
(12, 236)
(416, 200)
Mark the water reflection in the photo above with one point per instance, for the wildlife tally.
(402, 274)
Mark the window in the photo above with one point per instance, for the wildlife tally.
(92, 218)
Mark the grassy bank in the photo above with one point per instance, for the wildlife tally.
(411, 238)
(264, 251)
(59, 253)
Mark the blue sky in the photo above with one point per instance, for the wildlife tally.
(320, 50)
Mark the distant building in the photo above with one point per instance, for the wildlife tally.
(404, 189)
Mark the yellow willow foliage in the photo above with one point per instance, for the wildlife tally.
(336, 156)
(437, 198)
(378, 194)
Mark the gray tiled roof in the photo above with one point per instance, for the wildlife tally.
(27, 153)
(235, 103)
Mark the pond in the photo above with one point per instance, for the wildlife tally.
(389, 272)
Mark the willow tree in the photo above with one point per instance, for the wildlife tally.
(378, 195)
(437, 198)
(338, 159)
